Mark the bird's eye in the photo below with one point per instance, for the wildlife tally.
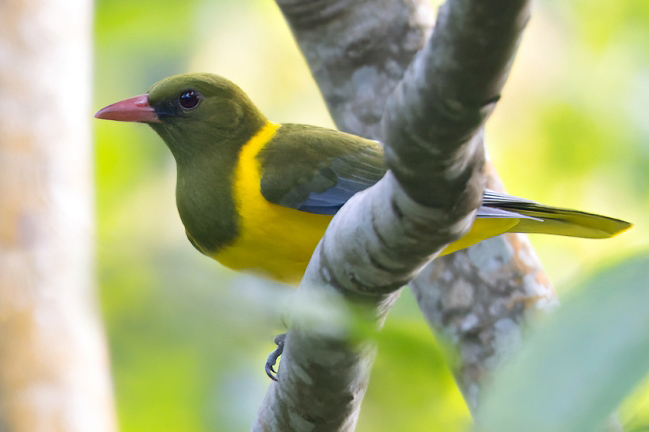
(189, 99)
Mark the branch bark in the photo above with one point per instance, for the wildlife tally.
(477, 298)
(432, 132)
(54, 373)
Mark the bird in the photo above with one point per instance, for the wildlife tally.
(257, 196)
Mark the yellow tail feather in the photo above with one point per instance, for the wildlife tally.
(573, 223)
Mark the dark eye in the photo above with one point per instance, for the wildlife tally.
(189, 99)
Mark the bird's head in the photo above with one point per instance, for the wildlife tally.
(193, 113)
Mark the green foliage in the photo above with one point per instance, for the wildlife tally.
(577, 367)
(411, 387)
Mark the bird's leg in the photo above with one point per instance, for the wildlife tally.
(272, 357)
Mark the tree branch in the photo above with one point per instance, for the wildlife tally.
(383, 236)
(358, 52)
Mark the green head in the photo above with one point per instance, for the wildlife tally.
(205, 120)
(195, 114)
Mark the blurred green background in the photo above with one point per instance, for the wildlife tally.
(188, 338)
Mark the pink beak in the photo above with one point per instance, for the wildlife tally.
(136, 109)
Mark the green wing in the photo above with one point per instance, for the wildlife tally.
(317, 170)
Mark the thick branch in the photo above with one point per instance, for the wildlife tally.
(478, 298)
(452, 86)
(384, 236)
(358, 52)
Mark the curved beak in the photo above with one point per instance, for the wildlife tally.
(136, 109)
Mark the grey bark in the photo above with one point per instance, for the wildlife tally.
(385, 235)
(54, 373)
(358, 52)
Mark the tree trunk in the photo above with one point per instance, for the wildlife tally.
(54, 369)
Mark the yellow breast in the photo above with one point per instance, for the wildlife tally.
(274, 240)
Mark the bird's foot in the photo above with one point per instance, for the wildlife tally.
(272, 357)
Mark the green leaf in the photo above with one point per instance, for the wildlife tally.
(577, 367)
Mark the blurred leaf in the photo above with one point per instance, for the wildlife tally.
(412, 387)
(580, 364)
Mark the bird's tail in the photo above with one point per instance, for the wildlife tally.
(544, 219)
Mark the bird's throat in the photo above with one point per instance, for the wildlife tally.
(207, 191)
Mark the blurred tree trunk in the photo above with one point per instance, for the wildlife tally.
(54, 370)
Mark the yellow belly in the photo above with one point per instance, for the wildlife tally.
(278, 241)
(273, 240)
